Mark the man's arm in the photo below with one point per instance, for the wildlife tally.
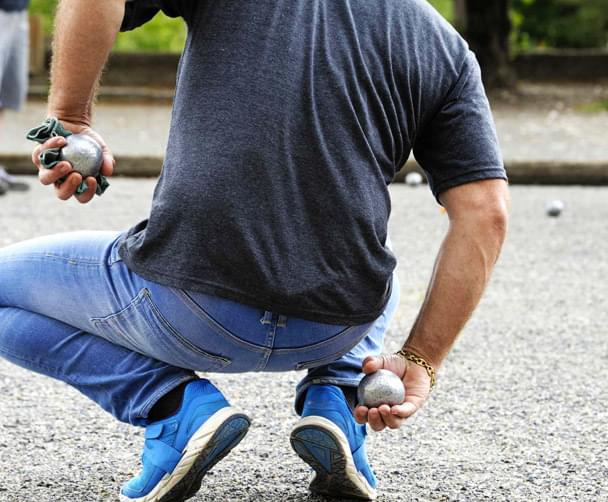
(478, 225)
(85, 31)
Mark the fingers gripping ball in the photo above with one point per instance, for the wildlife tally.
(81, 151)
(381, 387)
(84, 153)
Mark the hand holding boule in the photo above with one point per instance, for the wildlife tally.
(65, 173)
(381, 387)
(414, 380)
(83, 153)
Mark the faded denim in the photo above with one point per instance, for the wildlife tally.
(71, 309)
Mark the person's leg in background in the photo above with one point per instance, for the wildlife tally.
(8, 182)
(327, 437)
(70, 309)
(14, 62)
(3, 184)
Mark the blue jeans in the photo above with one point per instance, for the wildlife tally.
(72, 310)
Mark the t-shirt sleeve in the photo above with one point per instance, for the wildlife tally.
(459, 144)
(139, 12)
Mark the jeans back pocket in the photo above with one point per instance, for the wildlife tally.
(334, 348)
(141, 327)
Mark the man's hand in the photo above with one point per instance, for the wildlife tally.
(64, 178)
(417, 387)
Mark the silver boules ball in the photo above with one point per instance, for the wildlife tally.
(84, 153)
(381, 387)
(413, 179)
(554, 208)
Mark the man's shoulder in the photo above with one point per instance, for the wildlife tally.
(416, 33)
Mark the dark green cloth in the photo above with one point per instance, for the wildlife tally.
(51, 128)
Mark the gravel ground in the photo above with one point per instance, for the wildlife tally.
(535, 123)
(519, 412)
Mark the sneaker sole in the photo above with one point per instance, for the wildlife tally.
(208, 445)
(323, 446)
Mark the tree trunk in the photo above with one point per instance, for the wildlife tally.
(486, 26)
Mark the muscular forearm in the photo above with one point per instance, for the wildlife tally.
(462, 270)
(84, 34)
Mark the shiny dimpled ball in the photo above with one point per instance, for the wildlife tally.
(554, 208)
(381, 387)
(84, 153)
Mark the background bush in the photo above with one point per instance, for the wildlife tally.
(560, 23)
(537, 23)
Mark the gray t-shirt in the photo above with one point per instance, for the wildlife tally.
(291, 118)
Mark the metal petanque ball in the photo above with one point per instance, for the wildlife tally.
(84, 153)
(381, 387)
(413, 179)
(554, 208)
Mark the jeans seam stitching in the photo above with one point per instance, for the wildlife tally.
(269, 342)
(49, 257)
(213, 324)
(142, 296)
(223, 361)
(320, 345)
(330, 358)
(31, 363)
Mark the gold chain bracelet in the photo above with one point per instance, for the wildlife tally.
(410, 356)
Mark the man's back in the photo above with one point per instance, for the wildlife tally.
(290, 120)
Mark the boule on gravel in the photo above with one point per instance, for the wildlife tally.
(413, 179)
(554, 208)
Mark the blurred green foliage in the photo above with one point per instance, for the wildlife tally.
(45, 8)
(560, 23)
(445, 7)
(595, 106)
(537, 23)
(162, 34)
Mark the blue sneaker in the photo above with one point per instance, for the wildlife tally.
(179, 450)
(333, 444)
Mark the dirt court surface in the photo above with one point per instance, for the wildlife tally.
(519, 412)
